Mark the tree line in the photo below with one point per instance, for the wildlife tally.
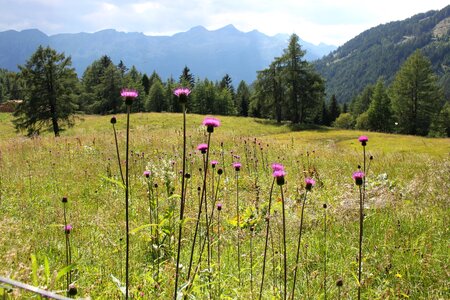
(290, 90)
(414, 103)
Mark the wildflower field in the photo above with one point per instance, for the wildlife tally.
(226, 245)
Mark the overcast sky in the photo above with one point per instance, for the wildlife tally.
(328, 21)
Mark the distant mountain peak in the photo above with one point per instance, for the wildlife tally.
(228, 28)
(207, 53)
(198, 28)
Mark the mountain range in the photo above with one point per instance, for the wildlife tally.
(210, 54)
(377, 52)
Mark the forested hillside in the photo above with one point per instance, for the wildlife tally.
(380, 51)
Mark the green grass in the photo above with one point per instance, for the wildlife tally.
(406, 237)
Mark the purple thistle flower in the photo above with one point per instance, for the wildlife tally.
(214, 163)
(277, 167)
(279, 176)
(182, 91)
(147, 173)
(182, 94)
(278, 173)
(64, 199)
(210, 123)
(363, 139)
(309, 183)
(219, 206)
(129, 95)
(237, 166)
(358, 177)
(202, 148)
(68, 228)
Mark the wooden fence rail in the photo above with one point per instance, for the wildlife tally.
(33, 289)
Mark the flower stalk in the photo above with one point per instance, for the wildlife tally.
(359, 180)
(182, 94)
(129, 95)
(309, 183)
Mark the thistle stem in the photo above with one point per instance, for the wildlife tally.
(325, 245)
(238, 227)
(127, 258)
(298, 245)
(364, 178)
(218, 252)
(361, 219)
(208, 242)
(251, 262)
(67, 246)
(284, 244)
(180, 228)
(267, 239)
(118, 154)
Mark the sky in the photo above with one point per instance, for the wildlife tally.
(317, 21)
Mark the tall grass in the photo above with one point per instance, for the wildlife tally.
(405, 229)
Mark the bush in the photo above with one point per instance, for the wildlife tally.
(345, 121)
(362, 121)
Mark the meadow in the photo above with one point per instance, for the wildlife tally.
(406, 238)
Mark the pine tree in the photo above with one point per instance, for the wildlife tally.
(294, 66)
(295, 89)
(333, 109)
(51, 93)
(204, 97)
(146, 83)
(243, 99)
(156, 100)
(133, 80)
(361, 102)
(379, 113)
(102, 82)
(415, 94)
(186, 78)
(440, 126)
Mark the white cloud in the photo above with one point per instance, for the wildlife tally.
(315, 21)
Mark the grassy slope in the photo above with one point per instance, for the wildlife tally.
(406, 241)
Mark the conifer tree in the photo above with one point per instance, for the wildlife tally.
(440, 126)
(379, 113)
(243, 99)
(333, 109)
(186, 78)
(146, 84)
(156, 100)
(50, 95)
(102, 82)
(361, 102)
(416, 97)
